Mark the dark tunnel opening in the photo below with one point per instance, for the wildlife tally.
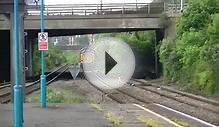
(5, 56)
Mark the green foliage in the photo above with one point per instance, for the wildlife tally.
(143, 46)
(170, 60)
(149, 122)
(53, 58)
(72, 57)
(139, 40)
(114, 119)
(56, 96)
(142, 41)
(192, 59)
(197, 16)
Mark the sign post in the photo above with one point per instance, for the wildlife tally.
(43, 37)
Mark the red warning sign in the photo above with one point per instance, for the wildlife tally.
(43, 41)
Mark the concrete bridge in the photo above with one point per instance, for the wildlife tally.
(77, 19)
(70, 25)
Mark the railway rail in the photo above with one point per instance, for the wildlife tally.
(180, 96)
(123, 96)
(5, 95)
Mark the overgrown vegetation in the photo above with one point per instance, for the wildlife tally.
(148, 121)
(98, 107)
(180, 122)
(71, 57)
(53, 58)
(57, 96)
(114, 119)
(192, 59)
(143, 46)
(141, 40)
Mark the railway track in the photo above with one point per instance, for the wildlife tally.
(124, 96)
(4, 85)
(5, 90)
(181, 97)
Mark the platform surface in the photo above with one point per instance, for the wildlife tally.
(56, 115)
(80, 115)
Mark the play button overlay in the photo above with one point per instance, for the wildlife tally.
(109, 63)
(112, 64)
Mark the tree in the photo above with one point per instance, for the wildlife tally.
(192, 59)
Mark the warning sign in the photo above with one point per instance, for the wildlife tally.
(43, 41)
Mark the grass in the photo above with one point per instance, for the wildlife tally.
(99, 108)
(72, 57)
(180, 122)
(148, 121)
(114, 119)
(56, 96)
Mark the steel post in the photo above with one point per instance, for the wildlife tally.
(18, 97)
(43, 76)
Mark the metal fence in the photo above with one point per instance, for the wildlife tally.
(99, 9)
(105, 9)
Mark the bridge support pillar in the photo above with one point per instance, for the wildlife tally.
(21, 55)
(28, 55)
(159, 37)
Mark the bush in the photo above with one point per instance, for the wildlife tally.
(192, 59)
(53, 58)
(57, 96)
(72, 57)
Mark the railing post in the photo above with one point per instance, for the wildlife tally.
(176, 8)
(47, 11)
(181, 7)
(164, 7)
(101, 6)
(85, 12)
(123, 8)
(149, 8)
(72, 11)
(97, 9)
(136, 6)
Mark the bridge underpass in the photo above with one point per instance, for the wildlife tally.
(64, 25)
(29, 40)
(5, 56)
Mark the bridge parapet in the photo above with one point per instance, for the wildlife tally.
(6, 6)
(103, 9)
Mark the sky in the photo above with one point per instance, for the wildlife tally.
(47, 2)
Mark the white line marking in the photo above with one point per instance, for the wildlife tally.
(186, 115)
(166, 119)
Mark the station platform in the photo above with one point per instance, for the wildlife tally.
(81, 115)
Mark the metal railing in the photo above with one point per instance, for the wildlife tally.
(104, 9)
(98, 9)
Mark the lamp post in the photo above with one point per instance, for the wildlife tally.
(18, 97)
(43, 76)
